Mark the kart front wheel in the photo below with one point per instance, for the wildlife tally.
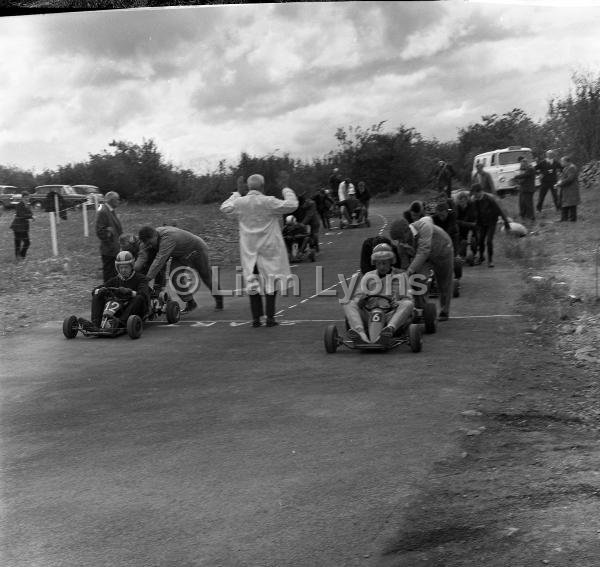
(135, 326)
(173, 312)
(331, 339)
(430, 318)
(415, 338)
(70, 327)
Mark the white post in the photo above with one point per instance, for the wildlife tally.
(53, 234)
(56, 208)
(86, 232)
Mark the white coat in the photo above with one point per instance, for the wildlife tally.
(261, 241)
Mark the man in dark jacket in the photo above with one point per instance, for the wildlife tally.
(483, 178)
(20, 226)
(487, 211)
(307, 214)
(466, 219)
(185, 249)
(324, 202)
(443, 174)
(548, 169)
(108, 230)
(132, 286)
(526, 180)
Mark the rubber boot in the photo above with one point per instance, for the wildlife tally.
(256, 307)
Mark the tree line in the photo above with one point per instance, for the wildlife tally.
(388, 162)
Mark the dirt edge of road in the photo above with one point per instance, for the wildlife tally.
(524, 487)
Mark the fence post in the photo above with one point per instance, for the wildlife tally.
(53, 234)
(86, 232)
(56, 208)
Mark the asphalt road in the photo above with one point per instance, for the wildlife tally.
(213, 443)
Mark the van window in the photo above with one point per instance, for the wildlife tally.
(506, 158)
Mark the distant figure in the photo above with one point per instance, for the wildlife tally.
(20, 226)
(526, 180)
(334, 181)
(364, 196)
(263, 253)
(324, 203)
(549, 170)
(483, 178)
(108, 230)
(443, 174)
(569, 190)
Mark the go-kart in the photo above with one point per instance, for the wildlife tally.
(111, 324)
(299, 248)
(375, 308)
(433, 289)
(357, 218)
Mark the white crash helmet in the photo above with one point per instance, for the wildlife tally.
(290, 219)
(382, 252)
(123, 259)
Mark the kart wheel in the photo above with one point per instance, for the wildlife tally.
(456, 289)
(331, 338)
(430, 318)
(135, 326)
(70, 327)
(173, 312)
(415, 338)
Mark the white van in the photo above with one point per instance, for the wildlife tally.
(503, 165)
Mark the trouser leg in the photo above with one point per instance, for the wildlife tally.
(97, 308)
(481, 239)
(555, 197)
(199, 261)
(18, 239)
(24, 244)
(270, 305)
(573, 213)
(564, 213)
(353, 314)
(443, 273)
(136, 306)
(489, 241)
(402, 315)
(541, 197)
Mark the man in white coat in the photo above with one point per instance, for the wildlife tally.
(263, 253)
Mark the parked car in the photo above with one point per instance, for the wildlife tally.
(9, 196)
(92, 193)
(503, 165)
(70, 196)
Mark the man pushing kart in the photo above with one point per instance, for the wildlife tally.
(386, 281)
(131, 285)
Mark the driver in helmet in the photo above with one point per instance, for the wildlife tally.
(387, 281)
(294, 231)
(131, 285)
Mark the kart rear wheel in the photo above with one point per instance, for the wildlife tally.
(331, 338)
(430, 318)
(415, 337)
(135, 326)
(173, 312)
(70, 327)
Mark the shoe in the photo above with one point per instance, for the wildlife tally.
(490, 264)
(478, 261)
(443, 316)
(189, 306)
(271, 322)
(386, 335)
(256, 323)
(355, 336)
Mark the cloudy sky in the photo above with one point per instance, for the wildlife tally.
(208, 82)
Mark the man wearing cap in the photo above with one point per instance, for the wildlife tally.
(427, 244)
(108, 230)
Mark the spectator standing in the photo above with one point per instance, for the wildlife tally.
(569, 190)
(487, 211)
(526, 180)
(108, 230)
(483, 178)
(263, 252)
(20, 226)
(346, 198)
(443, 174)
(549, 170)
(364, 196)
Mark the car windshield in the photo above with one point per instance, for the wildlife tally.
(505, 158)
(86, 190)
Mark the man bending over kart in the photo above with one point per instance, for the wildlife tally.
(184, 249)
(387, 281)
(295, 232)
(131, 285)
(427, 243)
